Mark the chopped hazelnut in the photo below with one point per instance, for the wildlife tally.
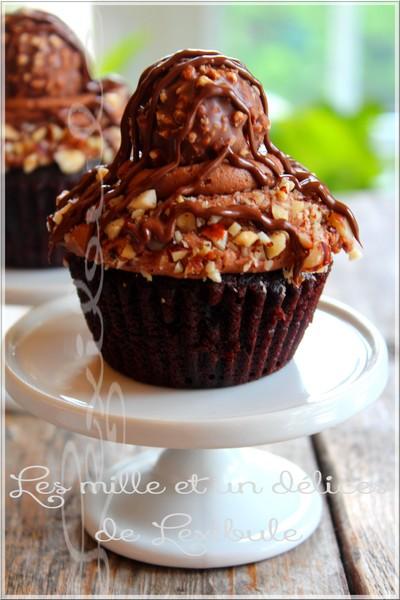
(186, 222)
(146, 200)
(341, 225)
(70, 161)
(55, 41)
(214, 219)
(222, 241)
(178, 236)
(113, 228)
(10, 133)
(205, 248)
(231, 77)
(246, 266)
(234, 229)
(297, 207)
(246, 238)
(58, 215)
(178, 267)
(315, 257)
(108, 155)
(288, 184)
(305, 239)
(30, 163)
(178, 255)
(279, 211)
(113, 100)
(23, 59)
(203, 80)
(212, 272)
(101, 173)
(128, 252)
(39, 134)
(137, 213)
(188, 72)
(278, 244)
(355, 254)
(56, 132)
(238, 118)
(264, 238)
(217, 234)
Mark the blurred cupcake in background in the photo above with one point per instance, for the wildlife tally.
(58, 122)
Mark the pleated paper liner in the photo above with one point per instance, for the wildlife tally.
(186, 333)
(29, 199)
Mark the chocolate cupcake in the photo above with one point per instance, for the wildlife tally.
(58, 121)
(201, 251)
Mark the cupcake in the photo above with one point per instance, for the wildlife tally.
(57, 122)
(201, 251)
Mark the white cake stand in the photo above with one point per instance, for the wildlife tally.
(247, 504)
(35, 286)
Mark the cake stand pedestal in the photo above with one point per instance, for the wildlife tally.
(208, 499)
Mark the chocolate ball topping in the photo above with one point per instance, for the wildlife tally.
(43, 57)
(209, 105)
(192, 105)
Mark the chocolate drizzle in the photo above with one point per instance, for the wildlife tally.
(58, 109)
(250, 150)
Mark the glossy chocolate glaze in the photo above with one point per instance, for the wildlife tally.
(254, 153)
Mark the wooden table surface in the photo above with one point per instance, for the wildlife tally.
(353, 551)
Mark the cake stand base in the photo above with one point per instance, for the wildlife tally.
(202, 508)
(207, 508)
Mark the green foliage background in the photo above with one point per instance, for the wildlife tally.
(334, 146)
(286, 47)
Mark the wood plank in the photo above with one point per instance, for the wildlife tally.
(38, 560)
(362, 450)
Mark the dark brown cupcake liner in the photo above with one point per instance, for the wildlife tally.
(194, 333)
(30, 198)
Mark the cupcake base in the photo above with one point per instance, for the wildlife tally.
(186, 333)
(30, 198)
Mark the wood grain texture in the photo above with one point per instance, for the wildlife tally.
(362, 450)
(38, 560)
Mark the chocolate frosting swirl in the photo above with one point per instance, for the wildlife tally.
(197, 123)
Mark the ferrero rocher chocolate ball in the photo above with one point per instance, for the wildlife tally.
(42, 56)
(208, 123)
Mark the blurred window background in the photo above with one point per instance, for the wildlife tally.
(328, 70)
